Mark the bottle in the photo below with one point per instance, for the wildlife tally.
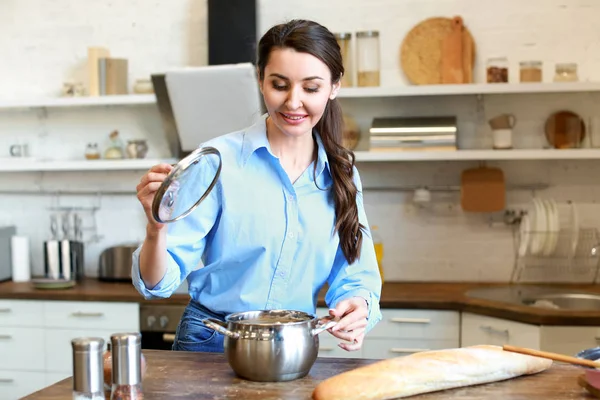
(88, 373)
(126, 349)
(378, 244)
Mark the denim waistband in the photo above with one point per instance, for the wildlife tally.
(194, 305)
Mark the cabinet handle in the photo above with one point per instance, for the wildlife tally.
(406, 350)
(493, 330)
(325, 348)
(5, 337)
(87, 314)
(6, 380)
(5, 310)
(169, 337)
(411, 320)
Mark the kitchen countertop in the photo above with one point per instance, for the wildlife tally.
(423, 295)
(185, 375)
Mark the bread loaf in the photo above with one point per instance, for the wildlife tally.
(428, 371)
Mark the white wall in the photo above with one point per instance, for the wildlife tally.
(44, 43)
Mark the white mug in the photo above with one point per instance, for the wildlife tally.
(502, 138)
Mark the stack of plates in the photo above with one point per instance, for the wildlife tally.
(541, 227)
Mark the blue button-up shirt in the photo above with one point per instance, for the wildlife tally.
(263, 242)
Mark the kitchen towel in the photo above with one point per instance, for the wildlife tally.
(21, 269)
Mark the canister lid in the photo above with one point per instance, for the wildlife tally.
(88, 344)
(365, 34)
(343, 35)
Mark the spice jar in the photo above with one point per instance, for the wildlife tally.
(497, 70)
(367, 50)
(126, 349)
(344, 40)
(88, 382)
(566, 72)
(92, 152)
(530, 71)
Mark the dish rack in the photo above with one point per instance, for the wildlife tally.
(552, 247)
(575, 258)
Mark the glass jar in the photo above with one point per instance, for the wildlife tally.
(92, 152)
(344, 40)
(566, 72)
(497, 70)
(367, 49)
(530, 71)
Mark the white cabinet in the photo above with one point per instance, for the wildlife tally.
(35, 338)
(400, 332)
(479, 329)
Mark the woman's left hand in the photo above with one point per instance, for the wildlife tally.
(353, 313)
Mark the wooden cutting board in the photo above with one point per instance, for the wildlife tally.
(452, 53)
(422, 48)
(483, 190)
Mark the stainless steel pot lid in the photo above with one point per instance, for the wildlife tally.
(188, 184)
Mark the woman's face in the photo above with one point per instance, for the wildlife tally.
(296, 89)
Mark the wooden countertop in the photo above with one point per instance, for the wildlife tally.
(183, 375)
(425, 295)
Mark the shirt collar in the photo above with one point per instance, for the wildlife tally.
(255, 137)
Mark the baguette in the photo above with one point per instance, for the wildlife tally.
(428, 371)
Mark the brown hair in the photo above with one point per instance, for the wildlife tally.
(310, 37)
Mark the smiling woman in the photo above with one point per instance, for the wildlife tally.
(291, 169)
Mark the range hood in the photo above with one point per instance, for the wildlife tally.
(200, 103)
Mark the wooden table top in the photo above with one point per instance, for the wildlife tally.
(418, 295)
(184, 375)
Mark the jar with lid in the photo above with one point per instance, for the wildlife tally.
(497, 70)
(88, 372)
(367, 50)
(92, 152)
(344, 40)
(566, 72)
(530, 71)
(126, 349)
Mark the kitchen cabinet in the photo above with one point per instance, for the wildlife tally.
(400, 332)
(479, 329)
(35, 338)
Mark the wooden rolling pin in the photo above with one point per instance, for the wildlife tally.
(553, 356)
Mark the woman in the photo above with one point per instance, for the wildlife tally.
(286, 215)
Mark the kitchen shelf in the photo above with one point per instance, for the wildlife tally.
(13, 165)
(469, 89)
(478, 155)
(348, 93)
(54, 102)
(17, 165)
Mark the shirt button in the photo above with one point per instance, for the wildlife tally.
(291, 234)
(290, 197)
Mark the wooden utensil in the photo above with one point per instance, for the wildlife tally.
(452, 53)
(552, 356)
(421, 50)
(564, 130)
(483, 190)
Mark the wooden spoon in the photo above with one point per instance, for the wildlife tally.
(553, 356)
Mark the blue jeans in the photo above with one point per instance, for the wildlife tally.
(193, 335)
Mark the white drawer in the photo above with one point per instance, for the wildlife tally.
(21, 313)
(55, 377)
(417, 324)
(22, 349)
(15, 385)
(328, 347)
(390, 348)
(59, 352)
(89, 314)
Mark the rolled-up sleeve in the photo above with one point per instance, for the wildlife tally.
(186, 238)
(361, 278)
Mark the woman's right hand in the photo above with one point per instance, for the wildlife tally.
(148, 187)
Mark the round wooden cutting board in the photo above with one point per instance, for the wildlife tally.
(421, 50)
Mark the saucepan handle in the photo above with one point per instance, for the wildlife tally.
(323, 324)
(220, 327)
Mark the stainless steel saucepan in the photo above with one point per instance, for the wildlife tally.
(271, 345)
